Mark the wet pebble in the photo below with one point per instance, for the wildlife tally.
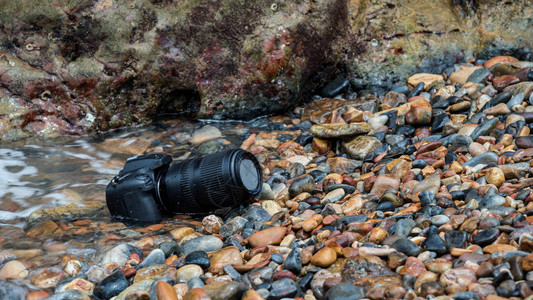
(302, 184)
(205, 243)
(324, 257)
(345, 291)
(14, 270)
(455, 239)
(187, 272)
(406, 246)
(156, 257)
(486, 237)
(112, 285)
(199, 258)
(270, 236)
(293, 262)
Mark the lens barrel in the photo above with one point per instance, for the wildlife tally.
(205, 184)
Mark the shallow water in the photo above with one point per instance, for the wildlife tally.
(35, 176)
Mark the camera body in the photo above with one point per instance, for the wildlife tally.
(151, 186)
(132, 194)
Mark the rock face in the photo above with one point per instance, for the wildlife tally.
(76, 67)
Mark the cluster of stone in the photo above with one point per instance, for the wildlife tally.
(425, 192)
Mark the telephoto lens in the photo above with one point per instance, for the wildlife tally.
(150, 186)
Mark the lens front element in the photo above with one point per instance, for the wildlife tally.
(248, 174)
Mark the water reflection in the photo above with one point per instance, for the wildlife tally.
(43, 176)
(34, 177)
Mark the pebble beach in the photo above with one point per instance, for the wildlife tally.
(423, 193)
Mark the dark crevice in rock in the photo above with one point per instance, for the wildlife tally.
(178, 103)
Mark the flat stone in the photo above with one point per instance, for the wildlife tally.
(484, 129)
(403, 227)
(64, 213)
(154, 272)
(271, 207)
(132, 146)
(342, 164)
(251, 295)
(257, 215)
(293, 262)
(269, 236)
(495, 176)
(14, 270)
(198, 258)
(525, 87)
(47, 279)
(462, 75)
(385, 182)
(226, 256)
(439, 265)
(205, 243)
(333, 196)
(490, 249)
(476, 149)
(188, 271)
(364, 271)
(225, 290)
(377, 121)
(13, 291)
(479, 75)
(485, 159)
(361, 146)
(431, 183)
(205, 134)
(457, 280)
(365, 251)
(78, 284)
(435, 244)
(393, 99)
(498, 60)
(118, 254)
(414, 267)
(348, 189)
(181, 232)
(45, 228)
(503, 81)
(498, 110)
(339, 130)
(426, 78)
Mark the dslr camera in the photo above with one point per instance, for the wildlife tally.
(150, 187)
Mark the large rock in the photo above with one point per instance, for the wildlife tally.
(388, 41)
(77, 66)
